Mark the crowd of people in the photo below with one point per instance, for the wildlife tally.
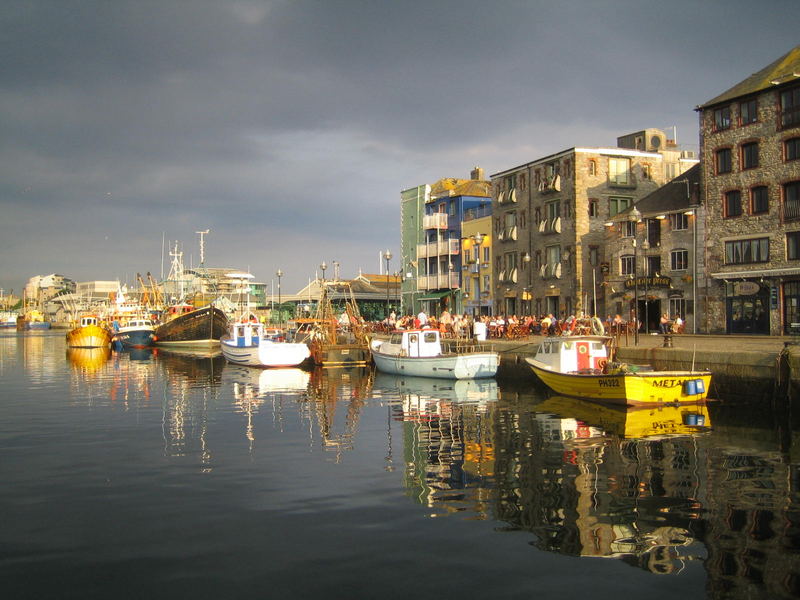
(514, 326)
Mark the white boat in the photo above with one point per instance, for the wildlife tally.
(137, 332)
(249, 343)
(419, 352)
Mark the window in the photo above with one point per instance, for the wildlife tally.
(679, 259)
(626, 264)
(553, 257)
(747, 251)
(679, 221)
(750, 155)
(723, 161)
(619, 171)
(791, 149)
(722, 118)
(552, 212)
(592, 167)
(652, 265)
(594, 211)
(748, 112)
(486, 254)
(793, 245)
(790, 107)
(452, 207)
(791, 201)
(677, 307)
(733, 203)
(628, 229)
(594, 253)
(617, 205)
(759, 200)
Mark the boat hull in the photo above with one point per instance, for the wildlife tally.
(647, 387)
(136, 338)
(202, 327)
(339, 355)
(475, 365)
(89, 336)
(265, 353)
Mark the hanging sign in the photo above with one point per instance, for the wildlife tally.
(745, 288)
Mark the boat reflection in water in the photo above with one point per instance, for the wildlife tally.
(88, 360)
(252, 387)
(630, 422)
(331, 392)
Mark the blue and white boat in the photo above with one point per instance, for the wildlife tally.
(249, 343)
(135, 333)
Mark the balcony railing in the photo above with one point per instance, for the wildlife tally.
(435, 221)
(438, 281)
(791, 210)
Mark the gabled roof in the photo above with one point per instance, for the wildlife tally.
(783, 70)
(451, 186)
(672, 197)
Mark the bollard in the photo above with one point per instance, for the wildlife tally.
(667, 341)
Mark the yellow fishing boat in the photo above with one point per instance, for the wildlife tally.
(632, 422)
(579, 366)
(90, 333)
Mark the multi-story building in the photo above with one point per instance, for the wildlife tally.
(750, 153)
(412, 213)
(549, 217)
(652, 262)
(436, 267)
(476, 261)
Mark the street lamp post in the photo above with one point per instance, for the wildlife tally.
(387, 256)
(322, 267)
(645, 248)
(635, 217)
(279, 274)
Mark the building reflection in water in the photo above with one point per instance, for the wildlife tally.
(448, 446)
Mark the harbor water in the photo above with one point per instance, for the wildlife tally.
(153, 474)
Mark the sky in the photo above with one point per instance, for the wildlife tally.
(289, 128)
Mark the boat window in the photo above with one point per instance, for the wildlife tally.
(567, 345)
(430, 337)
(597, 345)
(241, 331)
(413, 338)
(396, 338)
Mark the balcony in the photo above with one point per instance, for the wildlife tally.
(438, 282)
(435, 221)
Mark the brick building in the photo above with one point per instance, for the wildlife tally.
(750, 155)
(549, 217)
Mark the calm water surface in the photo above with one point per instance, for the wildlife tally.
(162, 475)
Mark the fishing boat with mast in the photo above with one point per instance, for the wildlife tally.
(336, 341)
(183, 323)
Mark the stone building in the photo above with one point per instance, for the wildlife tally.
(652, 256)
(549, 217)
(750, 154)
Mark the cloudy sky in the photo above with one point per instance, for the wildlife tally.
(289, 128)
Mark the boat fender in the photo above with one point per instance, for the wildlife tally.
(602, 364)
(597, 326)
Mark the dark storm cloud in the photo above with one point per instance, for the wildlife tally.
(290, 127)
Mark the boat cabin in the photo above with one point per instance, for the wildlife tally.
(89, 320)
(585, 354)
(417, 343)
(246, 333)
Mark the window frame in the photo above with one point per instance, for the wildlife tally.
(727, 196)
(678, 256)
(754, 210)
(722, 118)
(749, 251)
(615, 201)
(793, 248)
(627, 264)
(753, 118)
(748, 155)
(723, 167)
(676, 219)
(617, 176)
(793, 142)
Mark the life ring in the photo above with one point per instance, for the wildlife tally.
(597, 326)
(601, 364)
